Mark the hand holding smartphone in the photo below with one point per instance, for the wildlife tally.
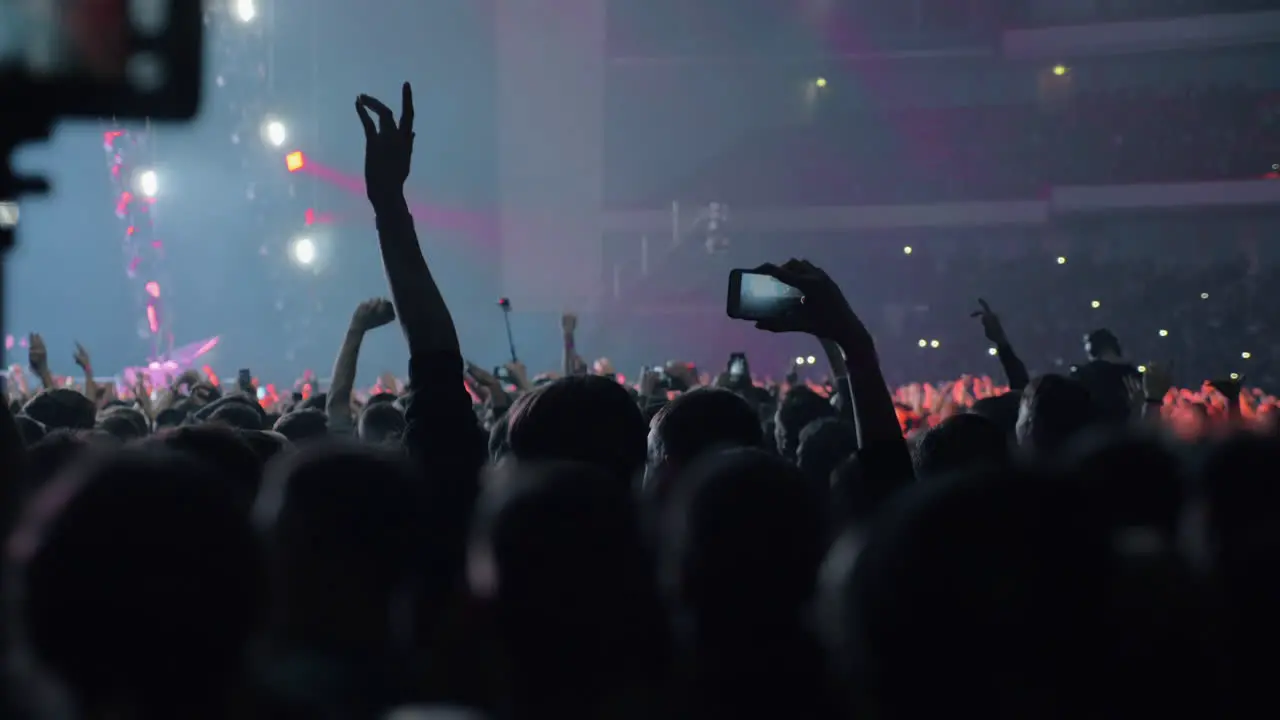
(757, 296)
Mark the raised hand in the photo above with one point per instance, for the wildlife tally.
(519, 374)
(140, 392)
(649, 382)
(482, 377)
(37, 354)
(603, 366)
(388, 146)
(372, 314)
(824, 311)
(568, 323)
(990, 323)
(388, 383)
(82, 358)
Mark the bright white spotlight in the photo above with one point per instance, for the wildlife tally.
(148, 183)
(244, 10)
(303, 251)
(8, 214)
(274, 133)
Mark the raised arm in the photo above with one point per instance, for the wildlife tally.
(38, 358)
(424, 317)
(443, 433)
(840, 376)
(90, 385)
(571, 363)
(826, 314)
(1015, 371)
(369, 314)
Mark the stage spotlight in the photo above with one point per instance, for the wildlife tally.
(303, 251)
(274, 132)
(147, 183)
(295, 161)
(8, 214)
(244, 10)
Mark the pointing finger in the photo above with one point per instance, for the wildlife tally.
(406, 110)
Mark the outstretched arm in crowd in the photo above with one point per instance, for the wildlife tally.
(424, 317)
(38, 358)
(369, 314)
(1015, 372)
(442, 428)
(490, 388)
(839, 376)
(90, 385)
(442, 431)
(571, 363)
(826, 314)
(142, 397)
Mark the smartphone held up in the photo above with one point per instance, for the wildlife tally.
(756, 296)
(737, 366)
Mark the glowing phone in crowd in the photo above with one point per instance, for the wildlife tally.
(737, 365)
(756, 296)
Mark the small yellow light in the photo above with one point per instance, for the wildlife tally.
(934, 344)
(820, 82)
(1204, 296)
(1142, 368)
(1235, 376)
(906, 250)
(1095, 304)
(1062, 260)
(1246, 355)
(992, 351)
(923, 343)
(1059, 70)
(811, 360)
(1164, 333)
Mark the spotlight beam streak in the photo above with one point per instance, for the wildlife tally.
(477, 226)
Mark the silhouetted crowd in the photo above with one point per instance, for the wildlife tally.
(1088, 543)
